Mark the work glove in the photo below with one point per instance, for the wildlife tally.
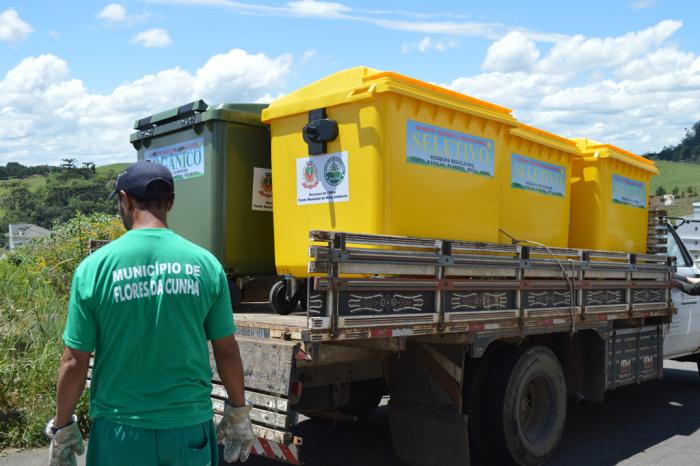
(236, 433)
(65, 443)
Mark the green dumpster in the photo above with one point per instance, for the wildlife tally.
(220, 160)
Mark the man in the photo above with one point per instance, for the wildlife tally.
(146, 304)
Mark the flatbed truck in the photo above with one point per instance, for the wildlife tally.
(477, 345)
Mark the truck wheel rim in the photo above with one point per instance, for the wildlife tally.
(536, 408)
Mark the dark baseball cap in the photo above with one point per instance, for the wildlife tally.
(137, 176)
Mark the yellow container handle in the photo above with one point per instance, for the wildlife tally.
(363, 92)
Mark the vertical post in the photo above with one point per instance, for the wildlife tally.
(338, 242)
(631, 259)
(524, 252)
(445, 248)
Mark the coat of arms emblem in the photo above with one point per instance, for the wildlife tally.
(310, 176)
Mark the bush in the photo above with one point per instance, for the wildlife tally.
(34, 285)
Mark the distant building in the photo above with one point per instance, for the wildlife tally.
(22, 232)
(690, 233)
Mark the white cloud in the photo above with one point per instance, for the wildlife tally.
(254, 73)
(316, 8)
(515, 52)
(415, 23)
(656, 63)
(642, 4)
(424, 44)
(12, 28)
(46, 114)
(578, 52)
(427, 43)
(307, 56)
(156, 37)
(114, 12)
(635, 90)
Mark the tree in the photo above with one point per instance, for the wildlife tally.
(68, 163)
(690, 191)
(65, 193)
(688, 150)
(675, 191)
(660, 191)
(19, 203)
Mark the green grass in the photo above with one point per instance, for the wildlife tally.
(33, 182)
(34, 287)
(681, 175)
(114, 168)
(678, 174)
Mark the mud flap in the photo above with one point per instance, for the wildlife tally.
(425, 411)
(427, 436)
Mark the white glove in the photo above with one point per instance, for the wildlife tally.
(236, 433)
(65, 444)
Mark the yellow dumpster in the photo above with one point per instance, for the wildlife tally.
(377, 152)
(536, 186)
(610, 192)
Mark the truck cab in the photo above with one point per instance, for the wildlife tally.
(682, 336)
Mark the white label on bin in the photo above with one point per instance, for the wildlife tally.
(323, 178)
(262, 189)
(534, 175)
(440, 147)
(629, 192)
(184, 159)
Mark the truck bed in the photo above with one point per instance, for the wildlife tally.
(265, 323)
(372, 287)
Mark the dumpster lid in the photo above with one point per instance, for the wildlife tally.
(195, 113)
(229, 112)
(170, 115)
(546, 138)
(593, 148)
(361, 83)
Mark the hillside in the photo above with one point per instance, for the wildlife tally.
(115, 168)
(35, 182)
(681, 175)
(676, 174)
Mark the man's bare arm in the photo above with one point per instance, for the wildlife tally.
(230, 368)
(71, 382)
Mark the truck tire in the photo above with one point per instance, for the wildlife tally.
(278, 299)
(526, 401)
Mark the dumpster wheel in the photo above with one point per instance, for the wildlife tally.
(278, 299)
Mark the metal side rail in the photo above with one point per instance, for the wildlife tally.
(370, 286)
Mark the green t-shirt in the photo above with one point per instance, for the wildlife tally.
(146, 304)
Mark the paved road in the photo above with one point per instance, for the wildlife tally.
(657, 423)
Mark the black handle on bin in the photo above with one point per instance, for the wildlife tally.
(174, 114)
(319, 131)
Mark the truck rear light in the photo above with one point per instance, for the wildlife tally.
(296, 389)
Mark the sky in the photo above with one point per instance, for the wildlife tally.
(75, 75)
